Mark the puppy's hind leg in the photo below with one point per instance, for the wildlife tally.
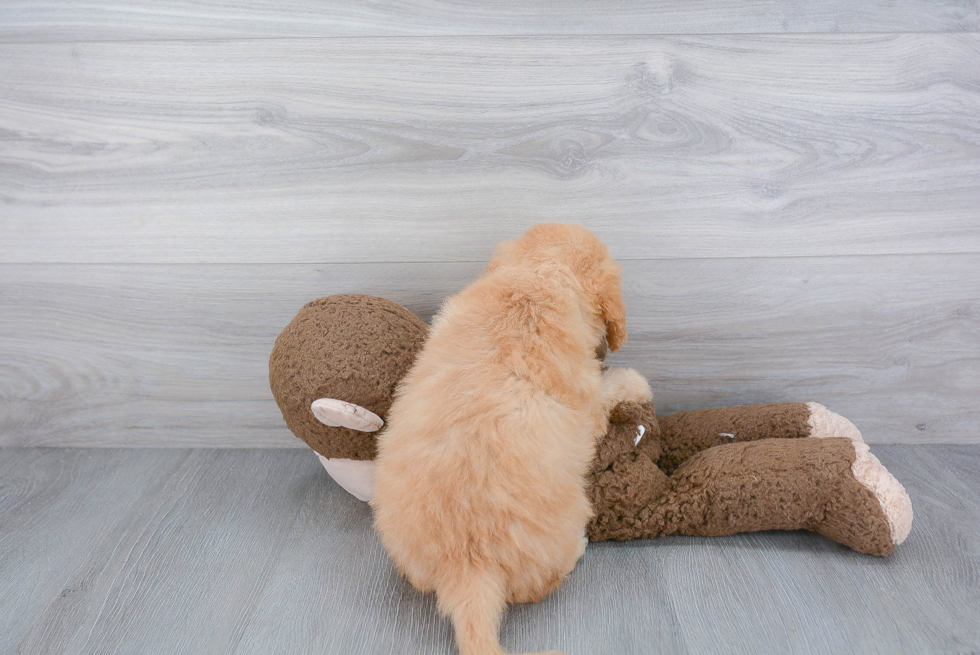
(474, 599)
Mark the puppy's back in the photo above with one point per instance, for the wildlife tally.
(479, 493)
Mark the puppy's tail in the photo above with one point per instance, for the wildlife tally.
(475, 600)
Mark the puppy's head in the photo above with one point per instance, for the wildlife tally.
(588, 261)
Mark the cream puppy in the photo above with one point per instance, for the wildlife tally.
(479, 483)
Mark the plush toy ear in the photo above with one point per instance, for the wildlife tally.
(341, 414)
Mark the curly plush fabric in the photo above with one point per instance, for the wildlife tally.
(349, 347)
(687, 433)
(763, 484)
(807, 486)
(625, 478)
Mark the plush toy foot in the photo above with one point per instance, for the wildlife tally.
(892, 499)
(870, 511)
(825, 423)
(891, 495)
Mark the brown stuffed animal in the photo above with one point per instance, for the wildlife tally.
(713, 472)
(709, 472)
(333, 373)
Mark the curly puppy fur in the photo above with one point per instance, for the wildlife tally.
(480, 492)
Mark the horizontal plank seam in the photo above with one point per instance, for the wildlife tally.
(481, 261)
(301, 445)
(5, 42)
(170, 449)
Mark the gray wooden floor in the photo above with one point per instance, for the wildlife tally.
(258, 551)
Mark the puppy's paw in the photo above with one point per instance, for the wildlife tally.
(626, 385)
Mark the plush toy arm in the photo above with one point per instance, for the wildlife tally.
(685, 434)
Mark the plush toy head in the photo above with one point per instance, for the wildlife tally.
(334, 369)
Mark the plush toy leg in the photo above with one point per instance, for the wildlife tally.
(685, 434)
(832, 486)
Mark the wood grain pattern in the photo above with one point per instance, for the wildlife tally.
(750, 588)
(367, 150)
(260, 552)
(947, 508)
(56, 507)
(177, 355)
(799, 216)
(61, 20)
(194, 554)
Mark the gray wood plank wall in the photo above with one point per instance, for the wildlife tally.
(64, 20)
(793, 187)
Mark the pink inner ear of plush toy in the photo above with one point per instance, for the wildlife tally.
(342, 414)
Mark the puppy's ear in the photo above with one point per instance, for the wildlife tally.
(611, 305)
